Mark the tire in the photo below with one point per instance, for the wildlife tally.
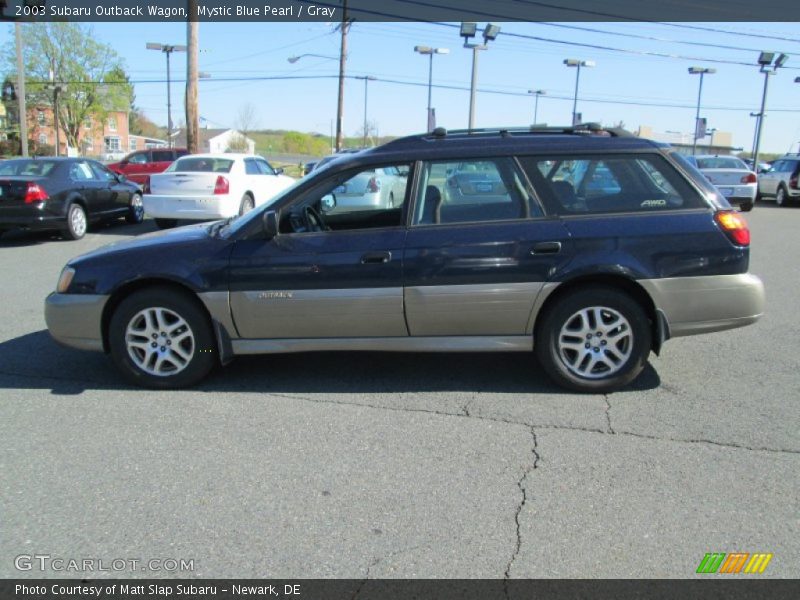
(166, 223)
(135, 210)
(185, 350)
(562, 335)
(781, 197)
(746, 207)
(77, 222)
(246, 205)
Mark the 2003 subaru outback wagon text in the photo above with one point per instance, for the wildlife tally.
(589, 247)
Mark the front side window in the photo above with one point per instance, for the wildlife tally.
(473, 191)
(102, 173)
(365, 199)
(162, 156)
(265, 167)
(250, 167)
(139, 158)
(594, 184)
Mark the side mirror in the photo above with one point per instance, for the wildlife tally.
(270, 223)
(327, 203)
(278, 171)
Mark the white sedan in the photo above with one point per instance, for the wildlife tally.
(203, 187)
(732, 177)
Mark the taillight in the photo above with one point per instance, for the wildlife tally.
(373, 185)
(35, 193)
(146, 185)
(749, 178)
(734, 226)
(222, 186)
(793, 182)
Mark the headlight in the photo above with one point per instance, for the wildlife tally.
(67, 273)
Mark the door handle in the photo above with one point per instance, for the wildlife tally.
(546, 248)
(372, 258)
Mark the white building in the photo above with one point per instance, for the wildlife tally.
(220, 140)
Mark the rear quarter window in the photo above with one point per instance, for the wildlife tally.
(587, 184)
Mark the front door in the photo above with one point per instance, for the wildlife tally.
(330, 273)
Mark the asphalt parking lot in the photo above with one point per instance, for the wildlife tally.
(388, 465)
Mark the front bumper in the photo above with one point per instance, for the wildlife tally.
(694, 305)
(75, 320)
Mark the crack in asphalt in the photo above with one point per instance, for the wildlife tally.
(524, 492)
(608, 413)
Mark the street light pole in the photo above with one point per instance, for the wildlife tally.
(702, 72)
(367, 79)
(574, 62)
(468, 31)
(431, 121)
(168, 49)
(23, 108)
(765, 61)
(536, 104)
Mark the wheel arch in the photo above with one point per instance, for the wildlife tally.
(628, 285)
(131, 287)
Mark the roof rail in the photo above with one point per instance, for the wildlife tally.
(579, 129)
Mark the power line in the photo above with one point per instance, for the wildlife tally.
(438, 86)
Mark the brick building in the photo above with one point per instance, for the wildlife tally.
(109, 138)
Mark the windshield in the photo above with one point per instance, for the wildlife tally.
(720, 162)
(201, 164)
(27, 167)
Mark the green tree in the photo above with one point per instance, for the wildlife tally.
(89, 74)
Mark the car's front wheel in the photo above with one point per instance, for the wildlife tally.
(594, 339)
(135, 210)
(161, 338)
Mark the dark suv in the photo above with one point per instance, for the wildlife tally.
(589, 247)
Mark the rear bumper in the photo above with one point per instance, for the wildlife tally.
(191, 207)
(694, 305)
(75, 319)
(739, 194)
(33, 219)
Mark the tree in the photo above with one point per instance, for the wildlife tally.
(237, 143)
(88, 73)
(246, 119)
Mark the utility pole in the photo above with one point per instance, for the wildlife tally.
(342, 59)
(23, 109)
(192, 109)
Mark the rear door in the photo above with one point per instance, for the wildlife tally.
(477, 257)
(96, 193)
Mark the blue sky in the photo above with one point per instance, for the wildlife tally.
(385, 50)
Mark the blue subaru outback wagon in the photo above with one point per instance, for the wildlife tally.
(587, 247)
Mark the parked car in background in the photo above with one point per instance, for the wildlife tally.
(205, 187)
(382, 187)
(138, 166)
(780, 181)
(732, 177)
(64, 194)
(763, 166)
(590, 284)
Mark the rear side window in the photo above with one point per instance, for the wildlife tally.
(464, 191)
(601, 184)
(201, 164)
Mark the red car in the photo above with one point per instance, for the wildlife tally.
(138, 166)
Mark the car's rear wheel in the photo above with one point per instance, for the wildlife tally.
(781, 197)
(166, 223)
(246, 205)
(594, 339)
(161, 338)
(135, 210)
(746, 207)
(77, 222)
